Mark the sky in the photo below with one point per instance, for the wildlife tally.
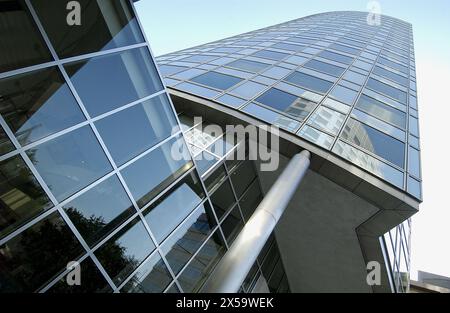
(172, 25)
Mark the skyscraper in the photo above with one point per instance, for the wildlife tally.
(91, 185)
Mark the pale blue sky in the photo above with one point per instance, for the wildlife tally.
(173, 25)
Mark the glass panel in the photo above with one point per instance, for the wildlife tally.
(288, 46)
(70, 162)
(414, 188)
(242, 177)
(276, 72)
(247, 65)
(167, 70)
(328, 120)
(32, 258)
(215, 179)
(223, 199)
(344, 95)
(270, 55)
(188, 74)
(5, 144)
(123, 253)
(173, 207)
(198, 90)
(154, 172)
(355, 77)
(108, 82)
(277, 99)
(199, 58)
(232, 225)
(205, 161)
(325, 68)
(99, 211)
(251, 199)
(21, 196)
(130, 132)
(92, 281)
(22, 45)
(336, 57)
(180, 247)
(231, 101)
(316, 136)
(346, 49)
(387, 90)
(38, 104)
(393, 65)
(217, 80)
(173, 289)
(382, 111)
(390, 75)
(375, 141)
(271, 117)
(414, 162)
(196, 273)
(104, 25)
(248, 89)
(152, 277)
(310, 82)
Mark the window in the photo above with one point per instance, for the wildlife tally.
(205, 161)
(154, 172)
(105, 25)
(223, 199)
(174, 206)
(387, 90)
(375, 141)
(152, 277)
(345, 49)
(37, 255)
(167, 70)
(319, 138)
(232, 225)
(38, 104)
(414, 162)
(354, 77)
(242, 177)
(344, 95)
(382, 111)
(310, 82)
(272, 55)
(231, 101)
(188, 238)
(217, 80)
(276, 72)
(248, 89)
(328, 120)
(97, 212)
(199, 58)
(391, 75)
(70, 162)
(130, 132)
(393, 65)
(277, 99)
(287, 46)
(336, 57)
(123, 253)
(108, 82)
(247, 65)
(5, 144)
(251, 199)
(22, 45)
(325, 67)
(21, 196)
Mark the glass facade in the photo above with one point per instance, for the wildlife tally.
(87, 168)
(330, 78)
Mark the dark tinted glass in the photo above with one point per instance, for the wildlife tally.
(217, 80)
(325, 67)
(180, 247)
(100, 210)
(375, 141)
(215, 179)
(382, 111)
(250, 200)
(232, 225)
(105, 24)
(391, 75)
(196, 273)
(5, 144)
(123, 253)
(309, 82)
(242, 177)
(91, 278)
(21, 196)
(154, 172)
(248, 65)
(70, 162)
(171, 209)
(32, 258)
(223, 199)
(38, 104)
(270, 55)
(22, 45)
(387, 90)
(153, 276)
(130, 132)
(108, 82)
(336, 57)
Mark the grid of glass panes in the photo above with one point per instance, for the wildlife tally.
(331, 78)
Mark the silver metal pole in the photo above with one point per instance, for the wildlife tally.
(230, 273)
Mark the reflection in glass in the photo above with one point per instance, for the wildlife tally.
(217, 80)
(152, 276)
(154, 172)
(196, 273)
(70, 162)
(328, 120)
(232, 225)
(123, 253)
(171, 209)
(205, 161)
(388, 90)
(105, 24)
(130, 132)
(38, 104)
(32, 258)
(382, 111)
(247, 65)
(21, 196)
(325, 67)
(108, 82)
(248, 89)
(5, 144)
(242, 177)
(22, 45)
(100, 210)
(251, 199)
(180, 247)
(310, 82)
(223, 199)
